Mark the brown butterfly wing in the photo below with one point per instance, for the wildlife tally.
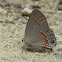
(37, 23)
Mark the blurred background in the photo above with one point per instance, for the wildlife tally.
(14, 15)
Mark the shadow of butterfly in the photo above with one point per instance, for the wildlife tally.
(38, 35)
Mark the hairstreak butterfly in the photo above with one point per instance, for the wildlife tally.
(38, 35)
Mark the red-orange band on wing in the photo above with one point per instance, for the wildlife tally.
(36, 21)
(45, 39)
(43, 34)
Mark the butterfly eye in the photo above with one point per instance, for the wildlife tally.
(22, 39)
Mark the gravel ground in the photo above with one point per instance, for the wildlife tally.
(14, 15)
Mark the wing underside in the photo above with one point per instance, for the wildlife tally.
(37, 32)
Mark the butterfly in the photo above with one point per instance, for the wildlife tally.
(38, 35)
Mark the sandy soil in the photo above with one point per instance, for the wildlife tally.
(12, 28)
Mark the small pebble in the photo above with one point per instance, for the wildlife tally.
(26, 11)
